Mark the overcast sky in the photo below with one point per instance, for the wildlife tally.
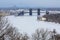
(30, 3)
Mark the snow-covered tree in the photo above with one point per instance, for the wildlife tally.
(53, 35)
(7, 32)
(25, 37)
(40, 34)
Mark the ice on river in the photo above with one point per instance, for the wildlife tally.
(29, 24)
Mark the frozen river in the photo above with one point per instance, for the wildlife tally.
(28, 24)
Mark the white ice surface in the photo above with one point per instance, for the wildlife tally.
(29, 24)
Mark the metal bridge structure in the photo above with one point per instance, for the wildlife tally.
(31, 11)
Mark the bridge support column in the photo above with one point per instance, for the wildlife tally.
(38, 11)
(21, 13)
(47, 12)
(30, 12)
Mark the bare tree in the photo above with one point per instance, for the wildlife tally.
(40, 34)
(7, 32)
(3, 26)
(25, 37)
(53, 35)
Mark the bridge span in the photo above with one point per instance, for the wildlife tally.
(38, 11)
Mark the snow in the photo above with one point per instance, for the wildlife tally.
(29, 24)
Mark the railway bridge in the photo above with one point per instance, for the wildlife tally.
(31, 11)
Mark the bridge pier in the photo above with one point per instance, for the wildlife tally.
(21, 13)
(38, 11)
(47, 12)
(30, 12)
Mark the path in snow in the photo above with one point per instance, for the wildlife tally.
(29, 24)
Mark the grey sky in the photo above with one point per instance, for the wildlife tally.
(30, 3)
